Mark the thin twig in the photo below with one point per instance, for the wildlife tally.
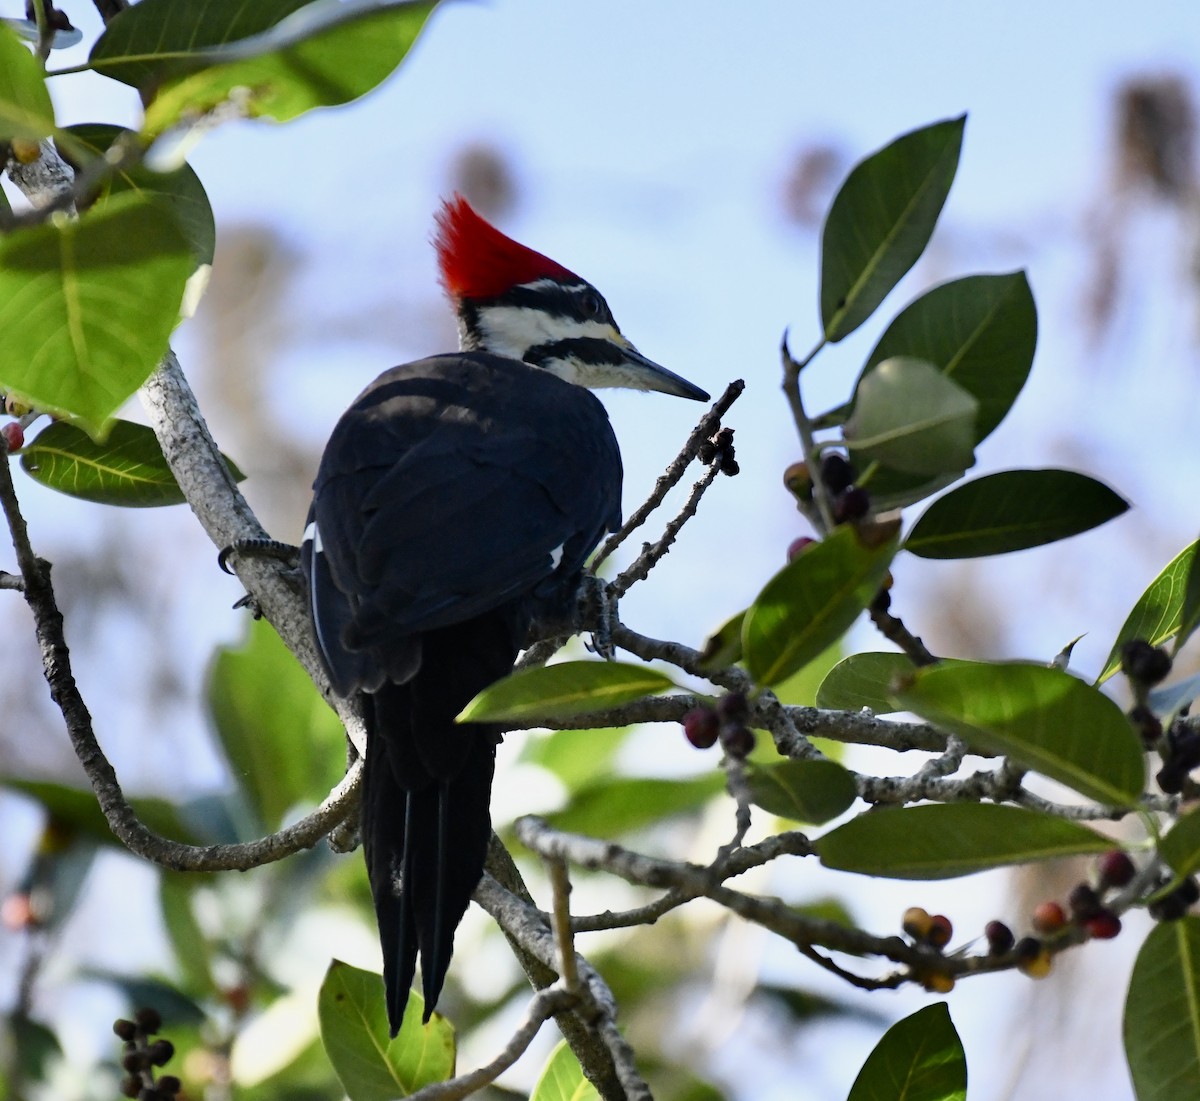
(791, 389)
(560, 887)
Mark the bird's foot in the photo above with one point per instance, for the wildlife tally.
(259, 548)
(597, 609)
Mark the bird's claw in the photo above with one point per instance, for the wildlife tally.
(259, 548)
(598, 612)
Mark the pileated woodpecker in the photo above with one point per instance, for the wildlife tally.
(455, 504)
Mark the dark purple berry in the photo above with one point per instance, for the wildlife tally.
(837, 472)
(124, 1029)
(999, 937)
(732, 707)
(701, 727)
(1116, 869)
(148, 1020)
(1170, 778)
(1144, 663)
(1146, 724)
(1084, 902)
(161, 1052)
(737, 740)
(853, 503)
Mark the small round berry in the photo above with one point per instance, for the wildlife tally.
(1103, 925)
(916, 922)
(131, 1086)
(798, 545)
(161, 1052)
(737, 740)
(837, 472)
(124, 1029)
(999, 938)
(1183, 750)
(1033, 958)
(148, 1020)
(1168, 908)
(14, 435)
(701, 727)
(1144, 663)
(1170, 778)
(1115, 869)
(169, 1085)
(853, 503)
(135, 1061)
(1189, 890)
(940, 931)
(17, 912)
(798, 481)
(733, 707)
(937, 982)
(1083, 901)
(1049, 917)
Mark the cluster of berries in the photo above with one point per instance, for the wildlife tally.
(142, 1055)
(850, 501)
(726, 723)
(719, 450)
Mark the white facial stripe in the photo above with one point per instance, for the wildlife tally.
(513, 330)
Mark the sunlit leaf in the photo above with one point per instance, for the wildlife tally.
(944, 840)
(1162, 1014)
(87, 306)
(615, 806)
(25, 107)
(811, 603)
(1158, 614)
(919, 1058)
(354, 1030)
(1010, 511)
(804, 791)
(1043, 718)
(865, 680)
(562, 1079)
(576, 757)
(911, 417)
(881, 220)
(568, 688)
(128, 468)
(326, 54)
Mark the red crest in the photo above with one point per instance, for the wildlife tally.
(478, 261)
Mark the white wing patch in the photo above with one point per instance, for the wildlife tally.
(556, 556)
(312, 534)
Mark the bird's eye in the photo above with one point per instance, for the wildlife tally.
(591, 305)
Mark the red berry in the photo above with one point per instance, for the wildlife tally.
(1116, 869)
(1103, 925)
(17, 912)
(940, 931)
(1049, 917)
(797, 545)
(701, 727)
(14, 435)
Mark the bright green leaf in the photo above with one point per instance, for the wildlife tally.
(25, 107)
(881, 220)
(1162, 1014)
(562, 1079)
(128, 468)
(919, 1058)
(179, 192)
(1043, 718)
(980, 331)
(724, 646)
(800, 689)
(811, 603)
(324, 55)
(911, 417)
(354, 1030)
(805, 791)
(1181, 847)
(945, 840)
(568, 688)
(576, 757)
(285, 746)
(155, 38)
(864, 680)
(619, 805)
(1158, 613)
(87, 306)
(1011, 511)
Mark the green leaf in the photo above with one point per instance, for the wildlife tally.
(576, 757)
(568, 688)
(881, 220)
(1043, 718)
(34, 1049)
(127, 469)
(911, 417)
(179, 192)
(811, 603)
(87, 306)
(193, 954)
(919, 1058)
(1162, 1014)
(156, 38)
(1011, 511)
(1158, 613)
(176, 1008)
(864, 680)
(800, 689)
(562, 1079)
(25, 107)
(980, 331)
(354, 1030)
(619, 805)
(944, 840)
(1181, 847)
(724, 646)
(285, 746)
(805, 791)
(327, 54)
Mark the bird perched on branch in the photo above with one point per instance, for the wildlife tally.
(455, 504)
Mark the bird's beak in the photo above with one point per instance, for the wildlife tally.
(650, 376)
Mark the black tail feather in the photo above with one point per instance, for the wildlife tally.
(427, 789)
